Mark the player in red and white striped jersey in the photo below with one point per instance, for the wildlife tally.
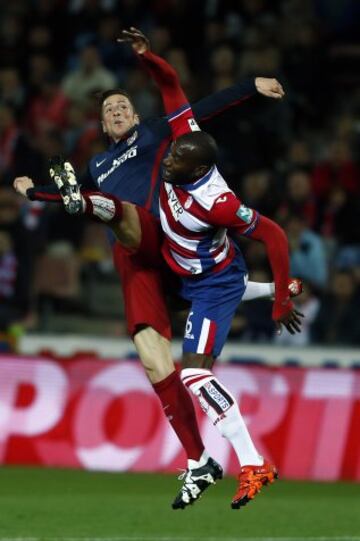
(196, 210)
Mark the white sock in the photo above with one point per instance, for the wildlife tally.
(193, 464)
(220, 406)
(258, 290)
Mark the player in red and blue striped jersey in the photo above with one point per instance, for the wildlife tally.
(197, 209)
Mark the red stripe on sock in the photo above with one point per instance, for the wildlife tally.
(189, 380)
(210, 339)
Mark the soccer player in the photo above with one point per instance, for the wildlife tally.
(196, 210)
(130, 168)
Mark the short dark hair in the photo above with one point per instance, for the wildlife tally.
(203, 144)
(102, 96)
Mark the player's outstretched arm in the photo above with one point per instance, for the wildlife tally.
(26, 187)
(228, 211)
(164, 76)
(274, 238)
(235, 95)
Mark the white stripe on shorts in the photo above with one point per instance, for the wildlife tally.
(204, 335)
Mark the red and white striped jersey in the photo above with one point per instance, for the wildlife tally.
(195, 218)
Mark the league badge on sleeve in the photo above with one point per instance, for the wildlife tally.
(245, 214)
(193, 124)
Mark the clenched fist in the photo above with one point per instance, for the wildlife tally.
(22, 184)
(271, 88)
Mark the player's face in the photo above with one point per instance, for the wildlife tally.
(118, 116)
(180, 165)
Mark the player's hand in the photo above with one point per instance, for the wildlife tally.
(291, 321)
(22, 184)
(271, 88)
(138, 40)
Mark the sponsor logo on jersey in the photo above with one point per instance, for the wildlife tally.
(130, 153)
(174, 203)
(188, 202)
(193, 124)
(132, 138)
(222, 199)
(101, 162)
(245, 214)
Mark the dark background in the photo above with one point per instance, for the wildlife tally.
(297, 161)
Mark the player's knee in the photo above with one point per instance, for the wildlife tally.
(128, 230)
(197, 360)
(128, 236)
(156, 371)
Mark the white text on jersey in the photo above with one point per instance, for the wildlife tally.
(174, 203)
(130, 153)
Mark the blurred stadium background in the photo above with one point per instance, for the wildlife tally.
(62, 330)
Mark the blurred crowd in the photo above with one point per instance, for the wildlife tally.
(296, 161)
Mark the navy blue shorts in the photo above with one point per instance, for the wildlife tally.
(214, 299)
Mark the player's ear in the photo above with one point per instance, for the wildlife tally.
(136, 119)
(103, 126)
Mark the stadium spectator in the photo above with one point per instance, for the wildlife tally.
(338, 319)
(15, 262)
(90, 76)
(299, 199)
(47, 109)
(308, 255)
(12, 90)
(338, 170)
(260, 192)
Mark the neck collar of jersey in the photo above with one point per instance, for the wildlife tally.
(200, 182)
(124, 137)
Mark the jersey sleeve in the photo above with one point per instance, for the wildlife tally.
(210, 106)
(218, 102)
(50, 192)
(228, 211)
(180, 116)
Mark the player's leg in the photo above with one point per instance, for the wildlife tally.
(220, 406)
(121, 216)
(206, 331)
(149, 324)
(155, 354)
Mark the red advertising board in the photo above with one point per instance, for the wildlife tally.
(103, 415)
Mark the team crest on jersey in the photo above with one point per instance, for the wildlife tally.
(193, 124)
(245, 214)
(188, 202)
(132, 138)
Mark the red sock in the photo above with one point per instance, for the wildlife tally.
(179, 409)
(103, 207)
